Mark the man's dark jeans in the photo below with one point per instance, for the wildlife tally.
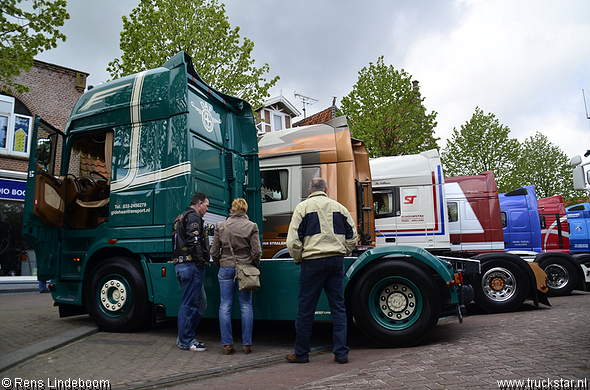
(191, 280)
(326, 273)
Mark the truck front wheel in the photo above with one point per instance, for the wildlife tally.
(561, 276)
(116, 295)
(396, 303)
(501, 286)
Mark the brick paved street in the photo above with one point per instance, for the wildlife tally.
(550, 343)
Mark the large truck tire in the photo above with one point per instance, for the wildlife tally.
(500, 287)
(116, 295)
(396, 303)
(562, 276)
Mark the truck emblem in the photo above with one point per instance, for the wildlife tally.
(410, 199)
(208, 120)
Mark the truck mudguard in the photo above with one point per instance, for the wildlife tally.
(526, 269)
(442, 268)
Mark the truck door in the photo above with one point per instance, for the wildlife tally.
(386, 203)
(517, 231)
(45, 197)
(454, 225)
(467, 233)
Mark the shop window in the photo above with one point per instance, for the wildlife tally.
(15, 129)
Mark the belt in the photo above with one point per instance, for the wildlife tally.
(183, 259)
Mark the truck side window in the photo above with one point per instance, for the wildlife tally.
(504, 223)
(274, 185)
(307, 174)
(543, 222)
(386, 203)
(453, 210)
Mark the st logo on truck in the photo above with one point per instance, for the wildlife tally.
(410, 199)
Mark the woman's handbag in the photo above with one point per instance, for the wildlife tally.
(248, 275)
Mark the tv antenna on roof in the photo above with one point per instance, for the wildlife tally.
(587, 117)
(306, 100)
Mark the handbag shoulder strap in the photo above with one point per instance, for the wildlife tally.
(229, 242)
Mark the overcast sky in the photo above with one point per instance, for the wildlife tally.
(525, 61)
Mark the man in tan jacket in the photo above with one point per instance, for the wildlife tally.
(321, 233)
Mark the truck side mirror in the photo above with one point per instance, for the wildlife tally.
(44, 152)
(575, 161)
(580, 179)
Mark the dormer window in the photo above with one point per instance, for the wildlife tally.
(275, 115)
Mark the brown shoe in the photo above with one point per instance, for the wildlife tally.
(247, 349)
(295, 359)
(229, 349)
(341, 361)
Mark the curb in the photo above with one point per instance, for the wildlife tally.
(12, 359)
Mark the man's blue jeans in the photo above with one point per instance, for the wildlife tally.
(326, 273)
(227, 288)
(193, 303)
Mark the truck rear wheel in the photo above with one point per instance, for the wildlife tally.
(501, 286)
(396, 303)
(561, 276)
(116, 295)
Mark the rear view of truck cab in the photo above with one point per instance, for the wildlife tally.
(102, 195)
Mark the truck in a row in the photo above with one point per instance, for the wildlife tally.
(514, 235)
(416, 205)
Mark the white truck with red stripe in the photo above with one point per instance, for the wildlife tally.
(411, 208)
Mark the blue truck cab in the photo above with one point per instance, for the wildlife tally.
(578, 217)
(520, 220)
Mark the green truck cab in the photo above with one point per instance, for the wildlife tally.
(102, 195)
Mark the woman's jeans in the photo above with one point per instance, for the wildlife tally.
(193, 303)
(227, 287)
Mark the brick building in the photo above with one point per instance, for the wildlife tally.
(320, 117)
(53, 91)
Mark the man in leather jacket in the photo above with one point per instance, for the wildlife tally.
(191, 253)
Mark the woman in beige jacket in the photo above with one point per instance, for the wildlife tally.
(245, 241)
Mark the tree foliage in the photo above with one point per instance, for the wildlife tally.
(482, 145)
(24, 34)
(387, 113)
(544, 165)
(158, 29)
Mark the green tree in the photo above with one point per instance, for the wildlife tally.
(544, 165)
(24, 34)
(482, 145)
(387, 114)
(158, 29)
